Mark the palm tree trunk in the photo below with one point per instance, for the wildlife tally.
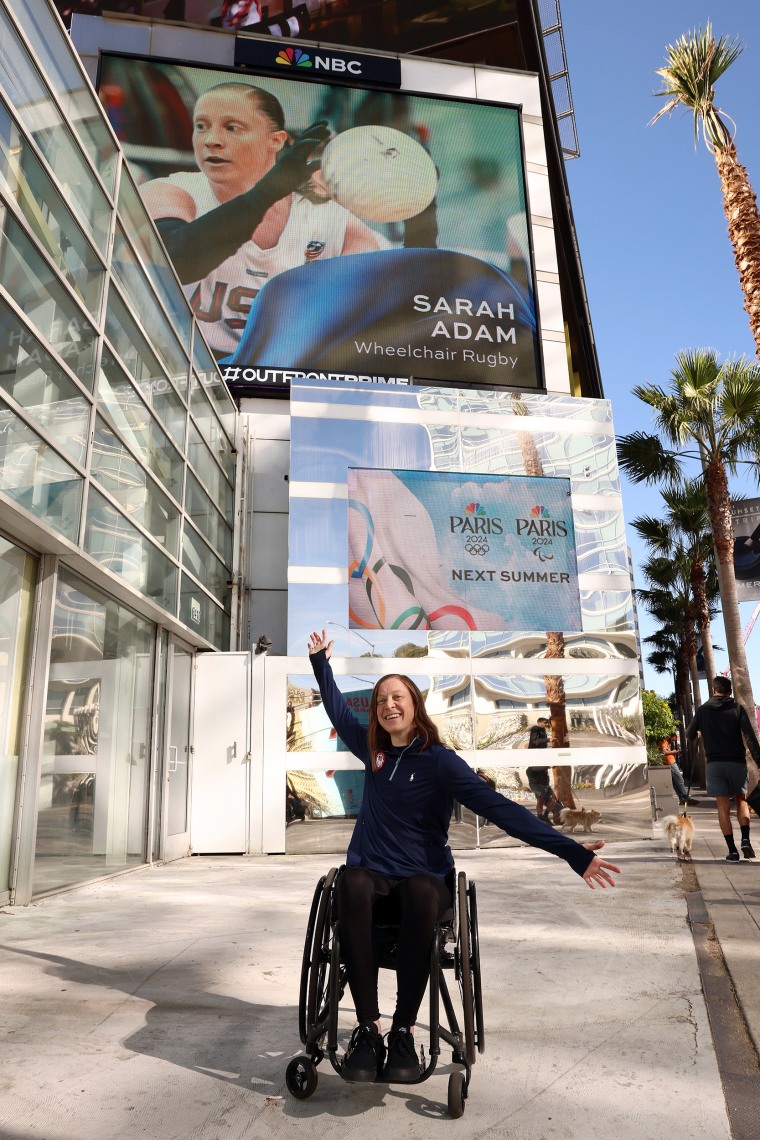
(555, 697)
(740, 207)
(719, 506)
(699, 590)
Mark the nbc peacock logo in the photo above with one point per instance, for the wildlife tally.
(474, 509)
(538, 512)
(294, 57)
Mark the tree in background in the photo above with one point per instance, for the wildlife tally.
(658, 723)
(716, 407)
(693, 65)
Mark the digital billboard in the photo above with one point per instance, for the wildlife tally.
(329, 229)
(745, 518)
(385, 25)
(444, 550)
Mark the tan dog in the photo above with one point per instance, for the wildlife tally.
(583, 817)
(680, 831)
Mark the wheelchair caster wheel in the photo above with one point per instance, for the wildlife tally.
(457, 1095)
(301, 1077)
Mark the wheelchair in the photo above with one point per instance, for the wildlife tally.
(455, 949)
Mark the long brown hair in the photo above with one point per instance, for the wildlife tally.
(379, 738)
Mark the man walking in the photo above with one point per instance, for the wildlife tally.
(725, 727)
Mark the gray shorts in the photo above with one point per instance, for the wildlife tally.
(725, 778)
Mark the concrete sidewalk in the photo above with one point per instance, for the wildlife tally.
(163, 1004)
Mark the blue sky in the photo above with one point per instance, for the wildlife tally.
(656, 256)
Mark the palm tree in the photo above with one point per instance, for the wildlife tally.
(716, 407)
(686, 529)
(693, 65)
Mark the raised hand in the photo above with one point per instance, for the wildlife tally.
(319, 641)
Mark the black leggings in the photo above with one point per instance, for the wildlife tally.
(417, 904)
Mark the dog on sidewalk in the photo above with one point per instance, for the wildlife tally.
(570, 818)
(680, 831)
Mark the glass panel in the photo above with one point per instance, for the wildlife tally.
(130, 275)
(23, 178)
(214, 386)
(93, 792)
(207, 518)
(127, 481)
(143, 236)
(31, 376)
(210, 473)
(321, 809)
(210, 428)
(142, 363)
(41, 117)
(199, 613)
(117, 395)
(206, 567)
(17, 580)
(36, 477)
(35, 289)
(178, 760)
(64, 75)
(119, 546)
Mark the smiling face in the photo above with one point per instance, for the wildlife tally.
(395, 710)
(234, 141)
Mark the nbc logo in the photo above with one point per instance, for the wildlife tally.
(474, 509)
(539, 512)
(294, 57)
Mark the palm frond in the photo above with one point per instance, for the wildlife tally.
(694, 63)
(645, 460)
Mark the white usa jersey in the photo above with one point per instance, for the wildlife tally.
(221, 301)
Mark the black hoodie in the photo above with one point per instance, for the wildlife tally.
(725, 727)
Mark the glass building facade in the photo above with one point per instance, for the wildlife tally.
(117, 488)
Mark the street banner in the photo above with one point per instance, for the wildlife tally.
(745, 517)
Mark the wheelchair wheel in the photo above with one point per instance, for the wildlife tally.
(320, 962)
(480, 1030)
(306, 960)
(457, 1094)
(463, 969)
(301, 1077)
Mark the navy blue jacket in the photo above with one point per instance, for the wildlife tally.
(403, 824)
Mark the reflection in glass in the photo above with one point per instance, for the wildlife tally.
(22, 177)
(30, 375)
(210, 428)
(45, 302)
(600, 542)
(40, 115)
(36, 477)
(93, 791)
(209, 473)
(143, 237)
(200, 612)
(128, 482)
(18, 572)
(200, 561)
(118, 397)
(63, 73)
(321, 809)
(120, 547)
(207, 518)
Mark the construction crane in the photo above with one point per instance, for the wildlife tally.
(745, 635)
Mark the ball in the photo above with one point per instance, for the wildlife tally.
(379, 174)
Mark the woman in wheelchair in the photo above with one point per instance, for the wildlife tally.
(399, 855)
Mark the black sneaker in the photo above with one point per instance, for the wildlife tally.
(403, 1064)
(748, 850)
(732, 857)
(364, 1056)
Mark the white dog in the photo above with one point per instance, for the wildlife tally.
(680, 831)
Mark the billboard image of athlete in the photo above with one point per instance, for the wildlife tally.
(324, 226)
(246, 214)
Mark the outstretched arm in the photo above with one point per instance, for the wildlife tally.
(352, 733)
(597, 872)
